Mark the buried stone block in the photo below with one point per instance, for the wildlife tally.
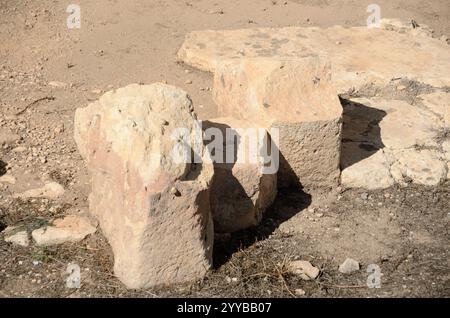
(153, 210)
(245, 167)
(295, 97)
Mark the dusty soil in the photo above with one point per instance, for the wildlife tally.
(402, 230)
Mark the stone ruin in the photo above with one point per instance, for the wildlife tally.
(355, 107)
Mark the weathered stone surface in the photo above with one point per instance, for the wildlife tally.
(295, 97)
(71, 228)
(49, 190)
(387, 149)
(349, 266)
(403, 125)
(358, 58)
(446, 148)
(358, 54)
(16, 236)
(425, 167)
(241, 191)
(439, 104)
(370, 173)
(305, 269)
(7, 178)
(158, 236)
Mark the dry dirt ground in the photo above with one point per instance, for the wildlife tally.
(47, 71)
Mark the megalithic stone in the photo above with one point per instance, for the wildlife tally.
(153, 210)
(296, 97)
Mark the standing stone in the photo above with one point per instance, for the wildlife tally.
(241, 191)
(129, 139)
(296, 97)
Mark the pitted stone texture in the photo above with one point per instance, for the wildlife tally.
(295, 97)
(370, 173)
(401, 145)
(358, 55)
(425, 167)
(71, 228)
(241, 190)
(158, 236)
(439, 104)
(407, 125)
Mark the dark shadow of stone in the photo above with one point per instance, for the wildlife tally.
(2, 167)
(288, 202)
(360, 132)
(235, 200)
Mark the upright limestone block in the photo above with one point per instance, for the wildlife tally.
(296, 97)
(245, 179)
(153, 210)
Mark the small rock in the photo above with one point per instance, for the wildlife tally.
(305, 269)
(57, 84)
(349, 266)
(19, 149)
(7, 178)
(174, 191)
(72, 228)
(188, 82)
(300, 292)
(49, 190)
(19, 238)
(59, 129)
(364, 196)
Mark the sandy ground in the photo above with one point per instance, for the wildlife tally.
(403, 230)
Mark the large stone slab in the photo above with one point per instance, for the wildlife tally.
(358, 55)
(370, 173)
(425, 167)
(393, 141)
(406, 125)
(242, 189)
(152, 207)
(296, 98)
(439, 104)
